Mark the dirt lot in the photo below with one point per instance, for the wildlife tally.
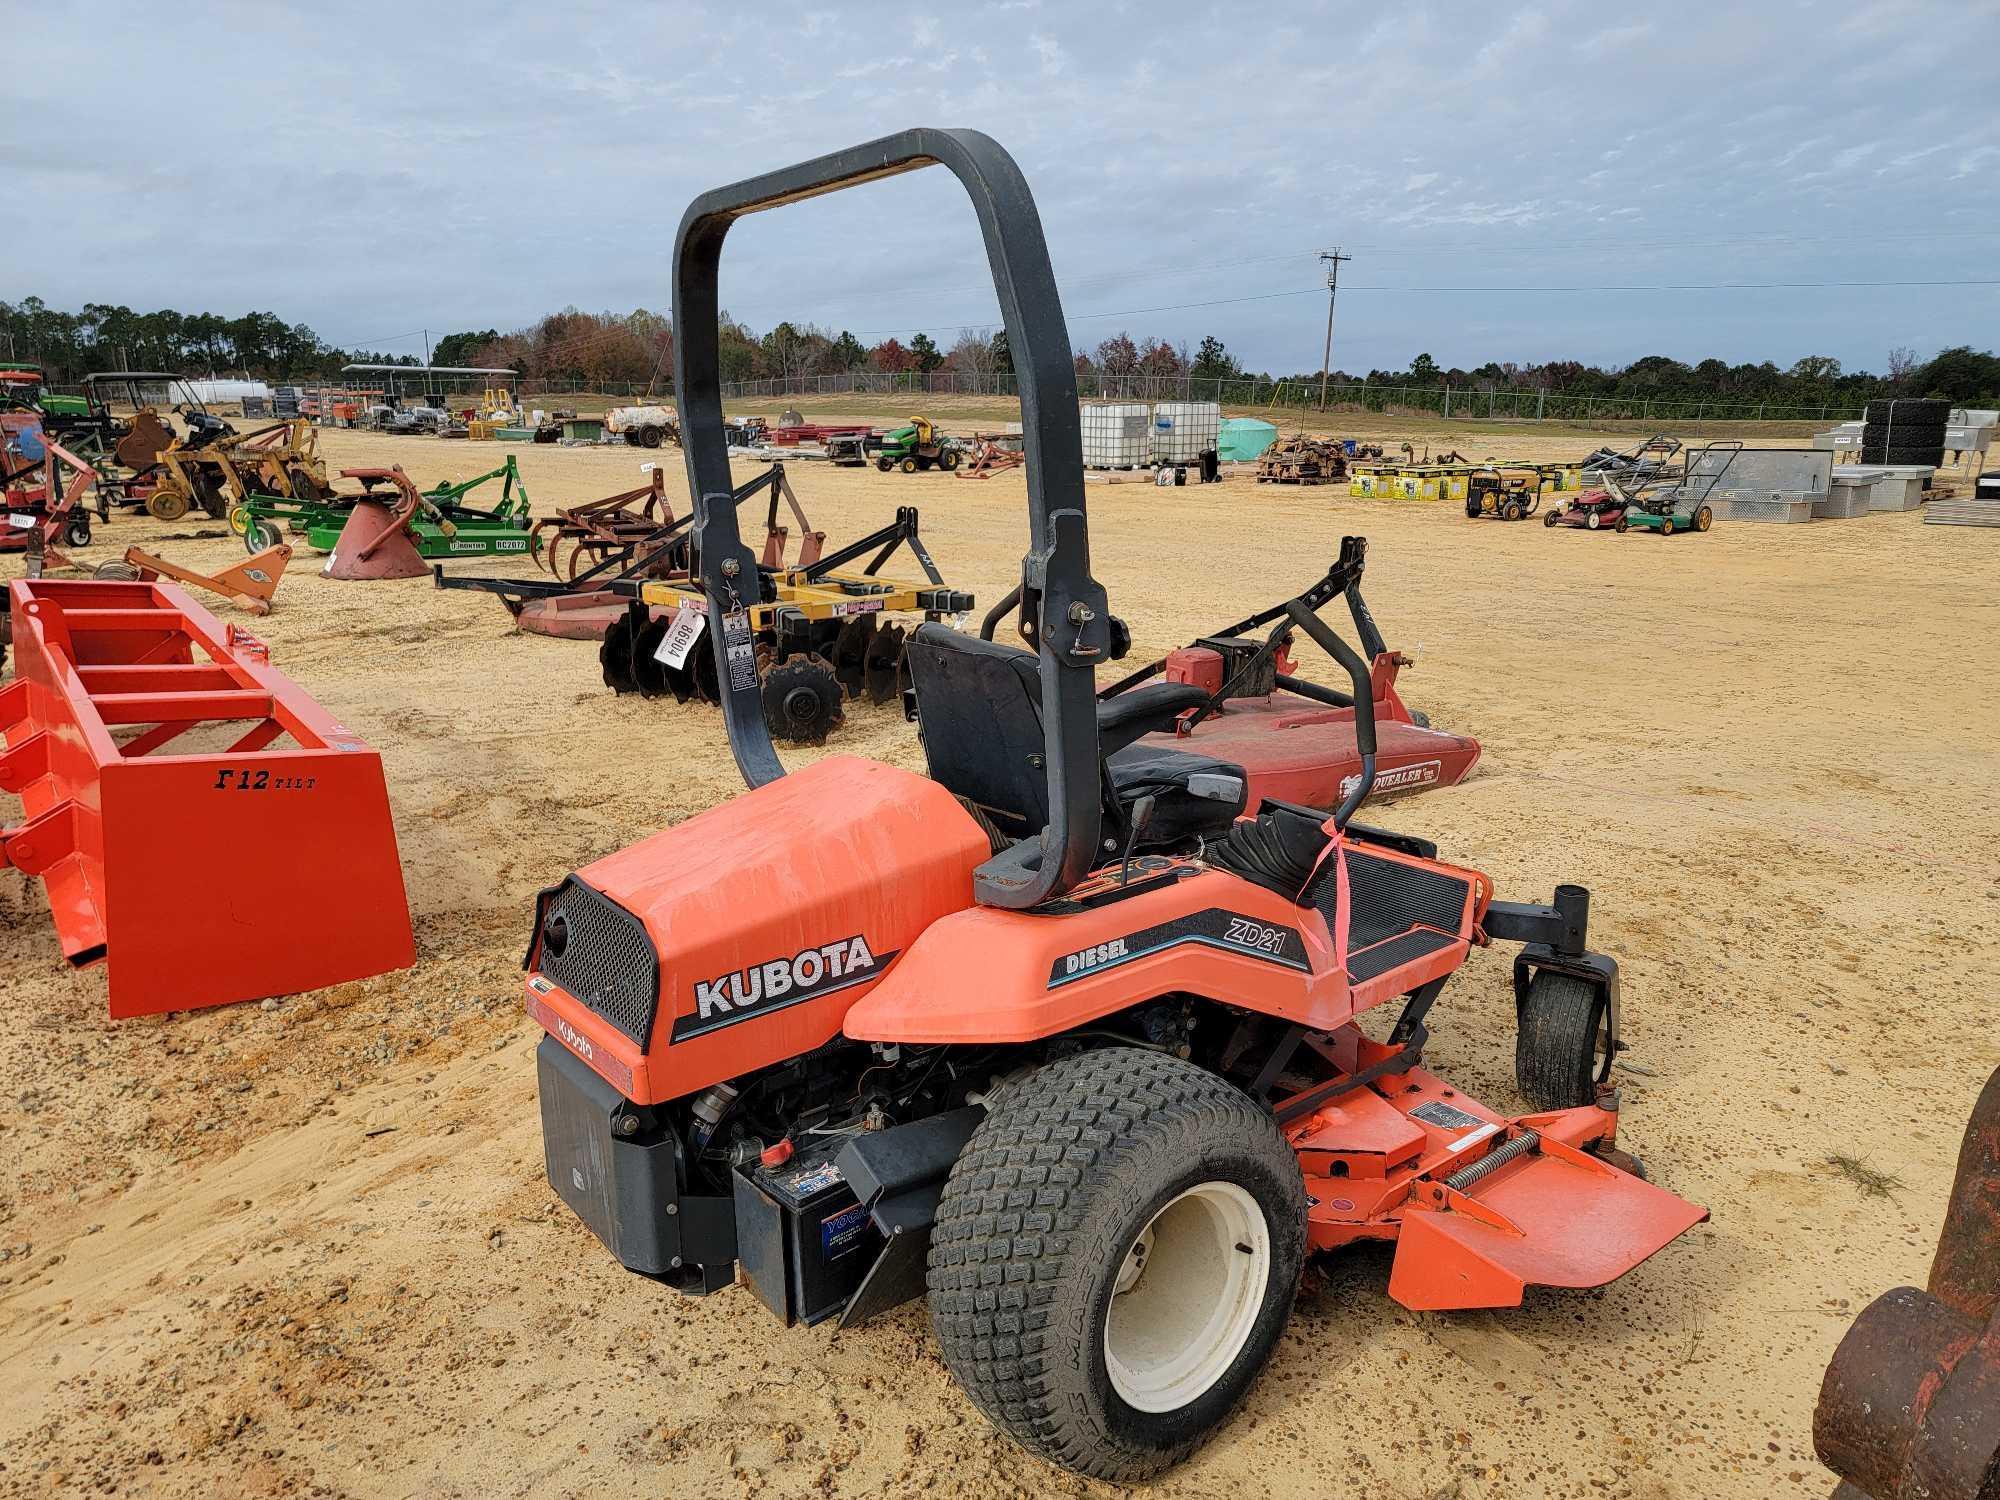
(307, 1248)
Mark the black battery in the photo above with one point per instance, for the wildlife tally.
(803, 1240)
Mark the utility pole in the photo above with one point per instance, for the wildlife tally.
(1333, 258)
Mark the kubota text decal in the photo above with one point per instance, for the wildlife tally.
(1214, 928)
(776, 983)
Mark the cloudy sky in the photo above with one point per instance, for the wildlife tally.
(1513, 181)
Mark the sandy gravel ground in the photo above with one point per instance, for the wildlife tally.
(307, 1248)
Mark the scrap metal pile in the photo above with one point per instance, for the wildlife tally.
(1302, 460)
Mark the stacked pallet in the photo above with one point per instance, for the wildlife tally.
(1302, 460)
(1983, 509)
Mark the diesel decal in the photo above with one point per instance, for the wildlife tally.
(1400, 779)
(1213, 928)
(1091, 958)
(779, 982)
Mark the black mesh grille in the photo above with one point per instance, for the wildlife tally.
(607, 960)
(1371, 963)
(1388, 897)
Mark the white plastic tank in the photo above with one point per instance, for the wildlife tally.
(1184, 430)
(1117, 435)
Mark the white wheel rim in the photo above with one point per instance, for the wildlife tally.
(1189, 1289)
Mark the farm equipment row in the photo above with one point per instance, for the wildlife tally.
(593, 599)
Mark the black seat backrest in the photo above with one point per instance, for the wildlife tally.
(979, 710)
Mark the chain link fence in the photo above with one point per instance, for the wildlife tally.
(1472, 403)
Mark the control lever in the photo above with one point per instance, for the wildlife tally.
(1142, 814)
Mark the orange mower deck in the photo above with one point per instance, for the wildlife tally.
(145, 740)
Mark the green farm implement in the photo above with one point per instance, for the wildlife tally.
(474, 532)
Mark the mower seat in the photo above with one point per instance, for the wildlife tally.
(979, 709)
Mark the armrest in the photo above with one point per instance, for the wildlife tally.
(1143, 710)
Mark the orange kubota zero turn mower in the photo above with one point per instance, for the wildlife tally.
(1098, 1088)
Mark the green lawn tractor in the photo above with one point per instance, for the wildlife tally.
(917, 445)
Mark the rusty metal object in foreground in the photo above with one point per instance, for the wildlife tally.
(1910, 1408)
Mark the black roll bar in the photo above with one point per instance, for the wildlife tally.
(1063, 611)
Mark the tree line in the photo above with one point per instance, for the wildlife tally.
(637, 348)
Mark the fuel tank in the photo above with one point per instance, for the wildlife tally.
(742, 936)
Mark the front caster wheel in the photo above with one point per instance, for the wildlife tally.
(1112, 1326)
(1559, 1049)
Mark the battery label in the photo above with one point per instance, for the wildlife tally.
(842, 1232)
(804, 1184)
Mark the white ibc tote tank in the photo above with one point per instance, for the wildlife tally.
(1116, 435)
(1184, 430)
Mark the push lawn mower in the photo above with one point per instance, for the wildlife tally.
(1654, 496)
(1593, 510)
(1094, 1095)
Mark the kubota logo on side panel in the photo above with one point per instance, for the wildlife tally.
(779, 982)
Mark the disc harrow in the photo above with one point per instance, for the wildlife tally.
(821, 638)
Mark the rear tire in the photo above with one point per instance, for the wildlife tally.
(1556, 1050)
(1082, 1176)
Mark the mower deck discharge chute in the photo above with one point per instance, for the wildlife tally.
(137, 730)
(1089, 1078)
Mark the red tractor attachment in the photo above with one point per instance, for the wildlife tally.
(596, 599)
(376, 540)
(581, 536)
(1910, 1409)
(250, 585)
(138, 734)
(51, 507)
(1294, 737)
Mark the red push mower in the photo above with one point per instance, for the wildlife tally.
(1095, 1089)
(1656, 496)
